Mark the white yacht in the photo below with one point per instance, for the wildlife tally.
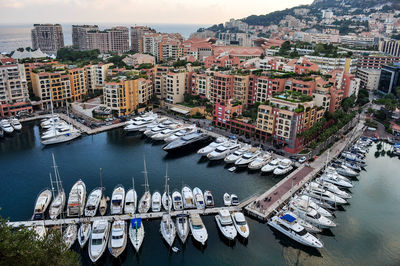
(165, 133)
(182, 227)
(117, 200)
(271, 166)
(166, 197)
(187, 195)
(70, 234)
(199, 198)
(225, 224)
(199, 231)
(181, 133)
(40, 231)
(309, 227)
(322, 194)
(288, 225)
(209, 199)
(332, 188)
(240, 224)
(136, 233)
(45, 123)
(346, 171)
(168, 230)
(145, 201)
(260, 161)
(42, 202)
(312, 216)
(76, 199)
(84, 234)
(93, 202)
(118, 238)
(156, 202)
(247, 157)
(138, 123)
(234, 200)
(160, 127)
(212, 146)
(130, 201)
(299, 203)
(98, 239)
(177, 200)
(58, 204)
(284, 167)
(15, 124)
(236, 155)
(5, 125)
(227, 199)
(353, 157)
(336, 179)
(68, 136)
(223, 150)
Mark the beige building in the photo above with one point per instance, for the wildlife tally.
(13, 87)
(115, 39)
(241, 89)
(138, 59)
(174, 87)
(96, 75)
(78, 83)
(120, 96)
(80, 36)
(369, 78)
(137, 34)
(47, 37)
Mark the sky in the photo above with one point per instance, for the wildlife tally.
(136, 11)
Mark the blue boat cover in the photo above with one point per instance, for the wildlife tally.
(136, 221)
(288, 218)
(397, 144)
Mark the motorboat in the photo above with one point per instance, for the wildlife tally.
(199, 231)
(318, 201)
(190, 140)
(160, 127)
(187, 195)
(209, 199)
(93, 202)
(271, 166)
(84, 234)
(165, 133)
(285, 166)
(117, 200)
(322, 194)
(182, 227)
(236, 155)
(15, 124)
(57, 132)
(76, 199)
(298, 202)
(156, 202)
(177, 202)
(260, 161)
(168, 230)
(136, 233)
(248, 157)
(234, 200)
(139, 123)
(145, 200)
(199, 198)
(212, 146)
(336, 179)
(312, 216)
(68, 136)
(6, 127)
(40, 231)
(332, 188)
(227, 199)
(223, 150)
(225, 224)
(49, 121)
(57, 205)
(288, 225)
(346, 171)
(41, 204)
(70, 234)
(118, 238)
(182, 132)
(309, 227)
(353, 157)
(130, 201)
(98, 239)
(240, 224)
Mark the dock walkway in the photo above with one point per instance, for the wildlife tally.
(272, 199)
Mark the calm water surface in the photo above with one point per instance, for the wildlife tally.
(368, 231)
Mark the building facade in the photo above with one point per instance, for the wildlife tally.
(48, 38)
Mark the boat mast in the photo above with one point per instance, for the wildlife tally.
(51, 184)
(57, 175)
(146, 182)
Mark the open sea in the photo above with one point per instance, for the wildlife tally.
(368, 231)
(16, 36)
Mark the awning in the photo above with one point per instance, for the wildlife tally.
(179, 110)
(288, 218)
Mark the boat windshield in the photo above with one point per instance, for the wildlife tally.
(241, 223)
(302, 232)
(117, 237)
(97, 241)
(198, 227)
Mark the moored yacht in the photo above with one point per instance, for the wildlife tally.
(322, 194)
(42, 202)
(136, 233)
(212, 146)
(117, 200)
(260, 161)
(199, 231)
(58, 204)
(15, 124)
(84, 234)
(156, 202)
(118, 238)
(198, 198)
(300, 203)
(288, 225)
(168, 230)
(191, 140)
(130, 201)
(346, 171)
(70, 235)
(227, 200)
(234, 200)
(332, 188)
(240, 224)
(312, 216)
(165, 133)
(93, 202)
(225, 224)
(145, 200)
(65, 137)
(98, 239)
(182, 227)
(284, 167)
(336, 179)
(223, 150)
(248, 157)
(187, 195)
(6, 127)
(271, 166)
(76, 199)
(209, 199)
(166, 197)
(236, 155)
(181, 133)
(177, 200)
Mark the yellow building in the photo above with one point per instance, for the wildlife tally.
(241, 89)
(121, 96)
(144, 88)
(78, 81)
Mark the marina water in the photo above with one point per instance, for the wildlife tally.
(368, 231)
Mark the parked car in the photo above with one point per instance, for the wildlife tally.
(302, 159)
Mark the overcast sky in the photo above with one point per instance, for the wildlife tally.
(136, 11)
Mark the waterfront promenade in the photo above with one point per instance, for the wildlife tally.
(266, 204)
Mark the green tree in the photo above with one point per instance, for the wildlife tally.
(20, 246)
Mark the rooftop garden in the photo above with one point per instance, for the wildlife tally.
(292, 96)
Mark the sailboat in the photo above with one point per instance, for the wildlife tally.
(103, 201)
(167, 225)
(182, 226)
(166, 197)
(58, 204)
(84, 234)
(131, 200)
(136, 233)
(145, 201)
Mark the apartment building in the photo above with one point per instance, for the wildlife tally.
(118, 39)
(241, 89)
(221, 89)
(138, 59)
(201, 84)
(174, 87)
(170, 49)
(78, 83)
(137, 34)
(327, 64)
(48, 38)
(389, 79)
(224, 112)
(199, 49)
(14, 96)
(120, 96)
(96, 75)
(158, 83)
(376, 62)
(266, 86)
(80, 36)
(390, 47)
(144, 88)
(369, 78)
